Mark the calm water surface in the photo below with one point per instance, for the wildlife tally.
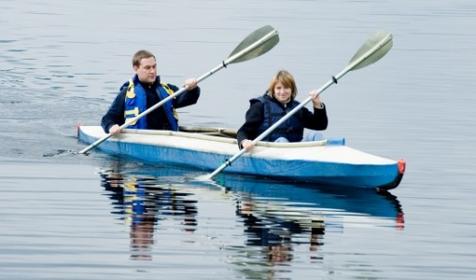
(67, 216)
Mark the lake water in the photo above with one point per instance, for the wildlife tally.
(66, 216)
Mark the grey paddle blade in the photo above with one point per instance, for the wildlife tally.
(372, 50)
(257, 43)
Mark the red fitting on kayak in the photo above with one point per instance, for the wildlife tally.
(401, 166)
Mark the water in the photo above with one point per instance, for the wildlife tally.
(68, 216)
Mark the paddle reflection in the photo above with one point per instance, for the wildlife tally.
(141, 203)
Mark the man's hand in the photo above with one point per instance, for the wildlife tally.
(247, 144)
(190, 84)
(115, 129)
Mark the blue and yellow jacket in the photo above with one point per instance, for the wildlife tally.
(135, 97)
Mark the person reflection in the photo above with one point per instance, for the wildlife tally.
(273, 230)
(141, 204)
(141, 214)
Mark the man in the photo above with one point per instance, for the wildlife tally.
(143, 91)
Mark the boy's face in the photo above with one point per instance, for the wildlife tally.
(147, 70)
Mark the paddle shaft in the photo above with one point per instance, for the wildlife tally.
(227, 61)
(332, 81)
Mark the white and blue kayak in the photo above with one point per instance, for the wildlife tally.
(323, 162)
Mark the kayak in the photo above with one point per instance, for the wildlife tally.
(326, 162)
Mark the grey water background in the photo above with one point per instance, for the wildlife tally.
(66, 216)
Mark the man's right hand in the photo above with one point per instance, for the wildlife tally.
(247, 144)
(115, 129)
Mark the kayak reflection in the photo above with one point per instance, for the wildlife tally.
(282, 218)
(326, 199)
(275, 218)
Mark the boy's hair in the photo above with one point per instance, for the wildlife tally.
(139, 55)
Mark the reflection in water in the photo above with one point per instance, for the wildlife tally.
(284, 220)
(277, 224)
(141, 203)
(271, 226)
(399, 216)
(273, 232)
(329, 201)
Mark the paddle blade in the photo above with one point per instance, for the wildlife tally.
(375, 48)
(257, 43)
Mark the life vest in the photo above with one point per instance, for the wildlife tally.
(292, 129)
(136, 102)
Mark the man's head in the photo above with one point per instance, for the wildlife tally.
(145, 66)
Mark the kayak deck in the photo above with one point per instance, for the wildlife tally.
(316, 161)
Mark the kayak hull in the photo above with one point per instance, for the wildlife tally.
(317, 162)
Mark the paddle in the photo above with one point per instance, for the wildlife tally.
(257, 43)
(371, 51)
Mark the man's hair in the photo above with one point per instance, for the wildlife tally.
(285, 78)
(139, 55)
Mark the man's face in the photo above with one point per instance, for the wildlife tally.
(147, 70)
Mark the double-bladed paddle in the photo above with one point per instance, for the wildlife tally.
(257, 43)
(371, 51)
